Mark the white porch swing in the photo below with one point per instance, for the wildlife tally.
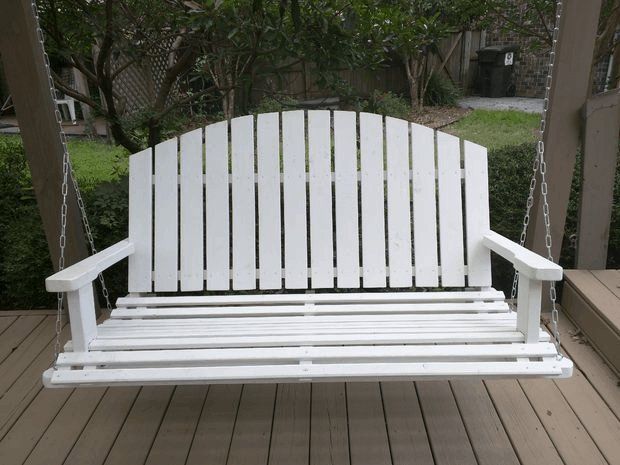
(296, 271)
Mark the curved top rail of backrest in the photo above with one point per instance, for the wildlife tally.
(309, 199)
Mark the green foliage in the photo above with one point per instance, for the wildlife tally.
(108, 213)
(275, 104)
(24, 261)
(441, 92)
(510, 171)
(387, 104)
(497, 128)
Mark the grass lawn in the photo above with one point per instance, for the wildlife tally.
(93, 161)
(497, 128)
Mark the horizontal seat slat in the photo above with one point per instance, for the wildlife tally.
(281, 355)
(315, 320)
(308, 372)
(460, 337)
(301, 309)
(317, 299)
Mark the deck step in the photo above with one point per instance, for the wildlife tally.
(592, 300)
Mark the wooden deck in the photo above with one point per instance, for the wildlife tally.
(574, 421)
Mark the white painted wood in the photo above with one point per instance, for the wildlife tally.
(424, 206)
(458, 336)
(311, 372)
(141, 221)
(398, 202)
(372, 187)
(477, 214)
(525, 261)
(269, 218)
(280, 299)
(320, 191)
(82, 273)
(192, 225)
(346, 200)
(217, 207)
(528, 307)
(243, 204)
(302, 337)
(294, 179)
(258, 355)
(450, 211)
(82, 317)
(166, 257)
(437, 308)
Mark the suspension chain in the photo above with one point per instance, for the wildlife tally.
(540, 168)
(67, 170)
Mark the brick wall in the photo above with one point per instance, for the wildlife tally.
(531, 65)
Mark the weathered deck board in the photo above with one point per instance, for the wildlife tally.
(367, 434)
(496, 422)
(484, 427)
(141, 426)
(176, 431)
(592, 300)
(405, 425)
(447, 434)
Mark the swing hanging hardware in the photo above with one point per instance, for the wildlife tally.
(67, 171)
(539, 168)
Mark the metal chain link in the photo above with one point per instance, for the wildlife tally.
(540, 167)
(67, 170)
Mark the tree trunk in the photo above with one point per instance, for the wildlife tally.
(413, 68)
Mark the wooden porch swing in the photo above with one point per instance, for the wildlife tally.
(308, 246)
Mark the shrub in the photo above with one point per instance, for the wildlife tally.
(441, 92)
(275, 104)
(24, 257)
(510, 171)
(387, 104)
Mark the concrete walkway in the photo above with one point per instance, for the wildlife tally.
(528, 105)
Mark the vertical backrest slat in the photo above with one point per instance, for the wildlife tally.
(373, 225)
(424, 206)
(320, 190)
(346, 198)
(295, 232)
(269, 234)
(477, 214)
(141, 221)
(192, 231)
(217, 206)
(243, 203)
(166, 216)
(398, 202)
(450, 211)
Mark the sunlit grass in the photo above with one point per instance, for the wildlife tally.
(93, 161)
(497, 128)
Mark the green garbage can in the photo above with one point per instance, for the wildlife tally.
(496, 66)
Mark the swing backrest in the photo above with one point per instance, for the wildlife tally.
(314, 199)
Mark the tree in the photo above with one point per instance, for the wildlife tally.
(413, 29)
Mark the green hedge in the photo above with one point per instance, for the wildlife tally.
(25, 263)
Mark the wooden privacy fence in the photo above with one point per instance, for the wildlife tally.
(453, 59)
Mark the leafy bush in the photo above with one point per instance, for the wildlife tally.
(387, 104)
(510, 171)
(108, 212)
(441, 92)
(24, 257)
(275, 104)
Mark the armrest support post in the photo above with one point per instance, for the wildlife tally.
(82, 317)
(528, 307)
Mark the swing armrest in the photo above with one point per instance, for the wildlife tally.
(85, 271)
(525, 261)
